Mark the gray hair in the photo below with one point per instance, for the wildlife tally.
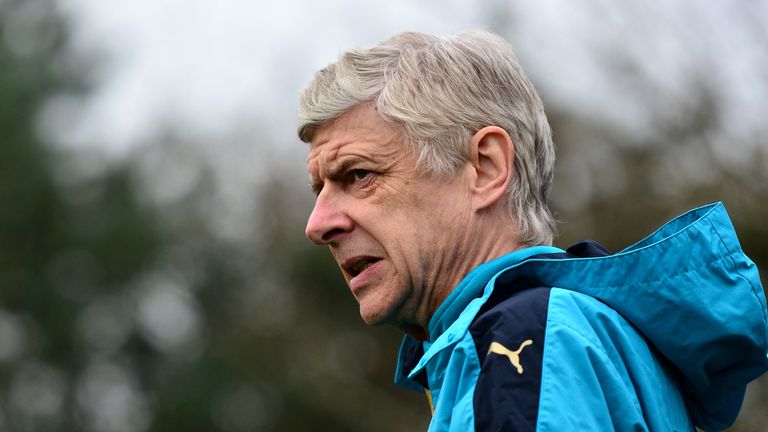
(439, 91)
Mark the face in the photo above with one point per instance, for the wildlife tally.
(395, 232)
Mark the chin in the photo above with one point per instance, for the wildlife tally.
(375, 314)
(372, 319)
(379, 306)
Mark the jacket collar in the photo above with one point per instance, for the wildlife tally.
(470, 288)
(473, 285)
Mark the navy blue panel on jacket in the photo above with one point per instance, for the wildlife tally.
(511, 373)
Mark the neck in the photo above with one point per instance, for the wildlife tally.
(492, 241)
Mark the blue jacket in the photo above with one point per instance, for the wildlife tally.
(662, 336)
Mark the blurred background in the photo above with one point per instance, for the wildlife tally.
(153, 270)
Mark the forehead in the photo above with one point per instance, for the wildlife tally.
(361, 132)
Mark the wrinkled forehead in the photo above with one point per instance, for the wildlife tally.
(322, 154)
(361, 132)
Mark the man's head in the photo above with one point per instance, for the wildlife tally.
(429, 156)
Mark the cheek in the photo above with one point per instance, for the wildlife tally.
(415, 248)
(414, 225)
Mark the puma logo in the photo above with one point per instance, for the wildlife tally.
(513, 356)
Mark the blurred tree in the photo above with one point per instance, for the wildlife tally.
(62, 244)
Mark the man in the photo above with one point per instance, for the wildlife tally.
(432, 161)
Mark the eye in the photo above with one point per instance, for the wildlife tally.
(360, 174)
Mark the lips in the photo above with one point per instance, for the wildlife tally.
(356, 265)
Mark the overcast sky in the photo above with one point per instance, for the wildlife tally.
(206, 66)
(211, 64)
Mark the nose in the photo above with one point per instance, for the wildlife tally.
(328, 222)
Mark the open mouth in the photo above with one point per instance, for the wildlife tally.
(358, 265)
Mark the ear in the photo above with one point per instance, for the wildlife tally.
(491, 153)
